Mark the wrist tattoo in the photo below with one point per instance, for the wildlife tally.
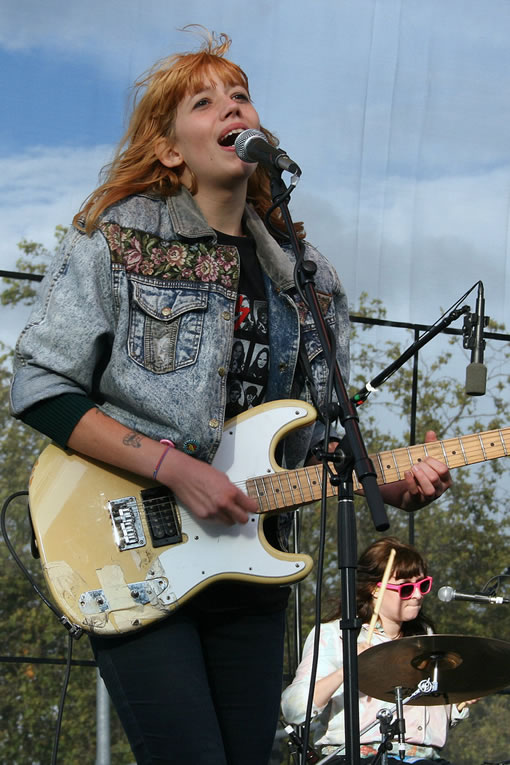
(133, 439)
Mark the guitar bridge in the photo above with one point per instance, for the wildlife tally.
(127, 525)
(161, 515)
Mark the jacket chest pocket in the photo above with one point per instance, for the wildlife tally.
(165, 326)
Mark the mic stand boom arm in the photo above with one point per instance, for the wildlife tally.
(357, 460)
(361, 396)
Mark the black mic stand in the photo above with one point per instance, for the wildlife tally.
(370, 387)
(386, 727)
(356, 458)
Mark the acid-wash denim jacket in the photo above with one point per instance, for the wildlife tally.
(140, 318)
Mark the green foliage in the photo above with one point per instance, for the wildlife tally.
(34, 260)
(464, 535)
(30, 691)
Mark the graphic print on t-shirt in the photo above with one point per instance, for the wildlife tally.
(249, 363)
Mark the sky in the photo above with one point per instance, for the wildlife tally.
(397, 112)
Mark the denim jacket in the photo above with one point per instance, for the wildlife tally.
(140, 318)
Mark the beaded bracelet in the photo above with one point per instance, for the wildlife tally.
(169, 445)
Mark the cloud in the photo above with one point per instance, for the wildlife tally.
(121, 38)
(42, 188)
(339, 38)
(418, 246)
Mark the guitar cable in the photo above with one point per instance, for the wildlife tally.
(74, 632)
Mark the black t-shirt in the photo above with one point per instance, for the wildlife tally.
(247, 384)
(249, 363)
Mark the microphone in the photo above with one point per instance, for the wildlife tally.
(311, 755)
(253, 146)
(476, 371)
(446, 594)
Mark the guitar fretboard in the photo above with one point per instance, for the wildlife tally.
(288, 489)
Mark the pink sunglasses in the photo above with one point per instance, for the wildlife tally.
(406, 590)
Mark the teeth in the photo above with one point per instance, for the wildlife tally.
(232, 132)
(228, 138)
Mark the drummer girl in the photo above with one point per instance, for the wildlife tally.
(399, 615)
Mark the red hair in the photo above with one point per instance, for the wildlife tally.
(135, 167)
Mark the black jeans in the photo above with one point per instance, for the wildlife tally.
(199, 688)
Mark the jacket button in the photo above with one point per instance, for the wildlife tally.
(282, 366)
(214, 423)
(166, 311)
(221, 371)
(227, 315)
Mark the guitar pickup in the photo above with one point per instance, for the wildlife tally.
(162, 517)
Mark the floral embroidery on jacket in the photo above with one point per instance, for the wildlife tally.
(148, 255)
(305, 316)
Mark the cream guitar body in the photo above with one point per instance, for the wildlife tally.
(119, 553)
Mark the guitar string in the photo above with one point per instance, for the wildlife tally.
(470, 446)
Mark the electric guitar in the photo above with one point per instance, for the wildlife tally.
(119, 552)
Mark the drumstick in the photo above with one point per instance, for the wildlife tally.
(380, 594)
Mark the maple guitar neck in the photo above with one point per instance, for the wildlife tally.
(285, 490)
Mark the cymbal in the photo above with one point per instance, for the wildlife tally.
(467, 667)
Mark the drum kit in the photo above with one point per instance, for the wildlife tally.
(429, 670)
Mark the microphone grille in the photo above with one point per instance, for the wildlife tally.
(476, 379)
(446, 594)
(243, 138)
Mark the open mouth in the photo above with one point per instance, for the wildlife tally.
(229, 138)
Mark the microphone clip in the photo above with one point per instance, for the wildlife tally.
(470, 331)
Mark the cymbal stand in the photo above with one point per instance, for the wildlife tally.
(391, 728)
(424, 688)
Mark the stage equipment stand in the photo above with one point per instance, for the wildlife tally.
(350, 456)
(353, 457)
